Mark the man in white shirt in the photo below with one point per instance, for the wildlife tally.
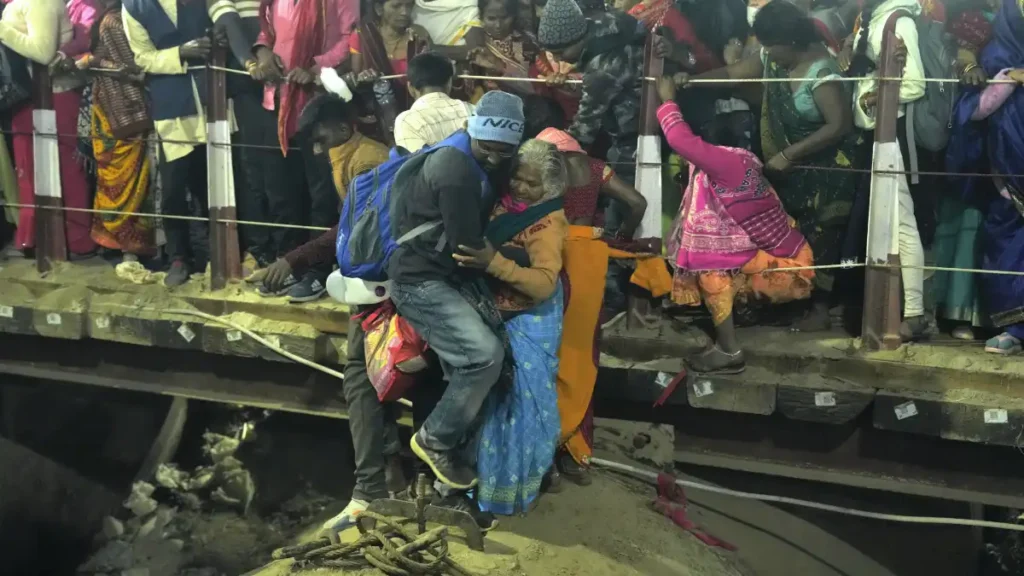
(434, 115)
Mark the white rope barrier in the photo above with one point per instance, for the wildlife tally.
(647, 78)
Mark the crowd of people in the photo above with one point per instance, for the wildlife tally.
(520, 124)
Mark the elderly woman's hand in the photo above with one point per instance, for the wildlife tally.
(473, 258)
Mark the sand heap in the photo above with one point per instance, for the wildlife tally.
(606, 529)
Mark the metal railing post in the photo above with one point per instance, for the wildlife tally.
(225, 257)
(51, 239)
(881, 320)
(648, 172)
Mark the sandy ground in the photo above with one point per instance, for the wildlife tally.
(606, 529)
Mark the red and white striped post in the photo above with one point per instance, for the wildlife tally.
(881, 319)
(51, 241)
(648, 169)
(225, 257)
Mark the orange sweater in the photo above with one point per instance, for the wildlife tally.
(522, 288)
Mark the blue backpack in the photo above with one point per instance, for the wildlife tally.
(365, 235)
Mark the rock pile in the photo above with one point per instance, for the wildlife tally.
(223, 480)
(147, 544)
(153, 540)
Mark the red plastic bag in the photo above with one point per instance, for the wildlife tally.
(395, 353)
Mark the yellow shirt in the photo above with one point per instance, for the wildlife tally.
(360, 154)
(176, 132)
(36, 29)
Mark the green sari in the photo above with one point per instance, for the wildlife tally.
(819, 200)
(956, 246)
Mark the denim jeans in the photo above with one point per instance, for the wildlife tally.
(470, 354)
(372, 424)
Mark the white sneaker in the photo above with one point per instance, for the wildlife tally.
(345, 520)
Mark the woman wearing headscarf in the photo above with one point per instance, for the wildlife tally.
(988, 135)
(520, 425)
(730, 234)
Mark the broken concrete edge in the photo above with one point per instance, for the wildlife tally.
(94, 315)
(957, 414)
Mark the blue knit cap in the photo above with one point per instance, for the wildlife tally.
(498, 118)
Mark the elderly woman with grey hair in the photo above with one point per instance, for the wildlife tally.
(521, 427)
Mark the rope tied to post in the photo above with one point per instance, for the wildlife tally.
(388, 547)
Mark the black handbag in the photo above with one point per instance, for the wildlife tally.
(15, 81)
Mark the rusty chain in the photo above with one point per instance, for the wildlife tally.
(388, 547)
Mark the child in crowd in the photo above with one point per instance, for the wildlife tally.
(434, 115)
(506, 51)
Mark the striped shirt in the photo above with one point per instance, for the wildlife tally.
(244, 8)
(429, 120)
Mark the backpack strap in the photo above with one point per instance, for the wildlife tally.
(418, 231)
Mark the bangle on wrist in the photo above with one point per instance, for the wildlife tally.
(785, 157)
(967, 69)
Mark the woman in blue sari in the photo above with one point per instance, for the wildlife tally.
(989, 135)
(521, 427)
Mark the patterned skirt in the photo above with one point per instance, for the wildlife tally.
(521, 425)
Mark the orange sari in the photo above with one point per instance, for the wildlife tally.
(585, 261)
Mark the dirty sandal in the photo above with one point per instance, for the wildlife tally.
(1004, 344)
(714, 360)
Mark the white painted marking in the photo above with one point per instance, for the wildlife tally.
(825, 399)
(996, 416)
(649, 184)
(6, 312)
(54, 319)
(663, 379)
(906, 410)
(220, 174)
(46, 172)
(234, 335)
(703, 388)
(103, 322)
(186, 333)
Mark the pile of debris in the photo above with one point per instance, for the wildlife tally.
(150, 543)
(153, 539)
(223, 480)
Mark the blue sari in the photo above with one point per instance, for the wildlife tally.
(997, 144)
(521, 425)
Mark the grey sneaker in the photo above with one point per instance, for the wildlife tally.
(309, 289)
(177, 275)
(447, 469)
(289, 283)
